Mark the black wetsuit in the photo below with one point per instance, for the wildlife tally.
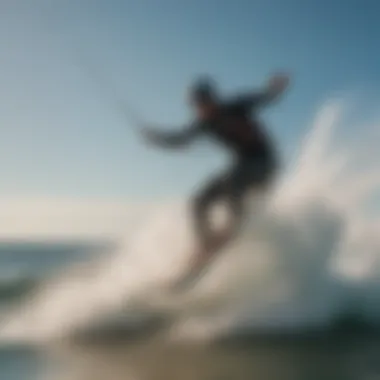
(235, 126)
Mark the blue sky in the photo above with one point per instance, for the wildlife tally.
(60, 133)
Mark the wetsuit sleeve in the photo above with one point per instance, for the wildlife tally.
(182, 138)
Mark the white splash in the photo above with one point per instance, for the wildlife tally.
(310, 257)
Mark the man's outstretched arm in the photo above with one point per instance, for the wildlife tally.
(170, 139)
(275, 87)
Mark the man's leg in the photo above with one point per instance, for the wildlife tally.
(201, 208)
(230, 187)
(247, 175)
(233, 187)
(202, 204)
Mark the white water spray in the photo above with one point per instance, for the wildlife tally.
(310, 258)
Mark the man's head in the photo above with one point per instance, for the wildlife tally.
(203, 97)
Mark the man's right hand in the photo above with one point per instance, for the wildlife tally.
(278, 83)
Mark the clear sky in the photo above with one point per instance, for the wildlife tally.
(61, 136)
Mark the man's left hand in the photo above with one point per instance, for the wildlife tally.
(149, 134)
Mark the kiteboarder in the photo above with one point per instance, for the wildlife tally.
(234, 123)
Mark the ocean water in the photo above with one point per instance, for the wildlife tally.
(295, 296)
(349, 349)
(24, 267)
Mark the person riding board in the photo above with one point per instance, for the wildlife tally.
(235, 125)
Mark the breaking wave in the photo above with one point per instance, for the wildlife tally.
(307, 259)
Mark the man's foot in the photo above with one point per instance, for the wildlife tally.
(202, 259)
